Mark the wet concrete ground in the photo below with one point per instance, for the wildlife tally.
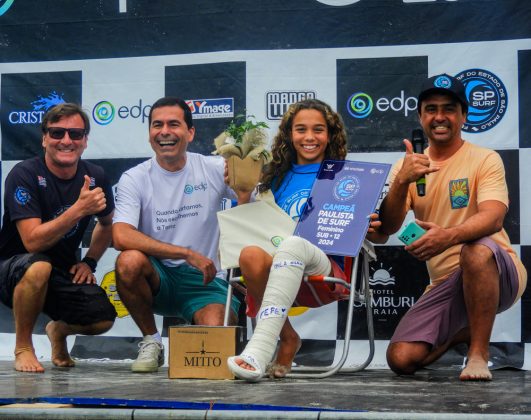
(95, 385)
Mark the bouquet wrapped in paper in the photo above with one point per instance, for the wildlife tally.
(243, 144)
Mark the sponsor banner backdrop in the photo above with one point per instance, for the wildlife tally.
(258, 62)
(25, 98)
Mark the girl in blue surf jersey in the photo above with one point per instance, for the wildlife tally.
(310, 132)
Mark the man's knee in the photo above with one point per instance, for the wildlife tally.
(210, 315)
(101, 327)
(403, 359)
(37, 274)
(130, 264)
(475, 256)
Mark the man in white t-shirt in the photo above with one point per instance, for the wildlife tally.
(165, 224)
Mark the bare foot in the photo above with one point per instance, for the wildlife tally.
(286, 353)
(26, 361)
(243, 364)
(57, 337)
(476, 369)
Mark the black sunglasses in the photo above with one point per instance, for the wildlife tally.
(57, 133)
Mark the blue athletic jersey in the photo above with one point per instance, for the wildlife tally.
(295, 189)
(292, 194)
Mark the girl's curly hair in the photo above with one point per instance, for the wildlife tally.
(282, 151)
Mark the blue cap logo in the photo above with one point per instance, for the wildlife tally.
(443, 82)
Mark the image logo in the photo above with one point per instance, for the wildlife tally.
(459, 193)
(103, 112)
(211, 108)
(188, 189)
(277, 102)
(346, 188)
(487, 99)
(5, 6)
(359, 105)
(22, 196)
(40, 106)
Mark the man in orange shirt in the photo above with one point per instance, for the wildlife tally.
(474, 273)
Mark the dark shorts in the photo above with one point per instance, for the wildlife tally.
(441, 313)
(75, 304)
(182, 291)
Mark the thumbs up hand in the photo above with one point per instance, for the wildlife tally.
(90, 201)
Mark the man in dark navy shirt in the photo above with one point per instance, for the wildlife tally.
(48, 205)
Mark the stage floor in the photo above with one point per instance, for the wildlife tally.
(112, 385)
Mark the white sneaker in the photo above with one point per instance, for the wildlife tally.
(150, 356)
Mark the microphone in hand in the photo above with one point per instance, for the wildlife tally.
(417, 139)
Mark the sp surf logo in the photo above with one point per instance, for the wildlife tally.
(487, 99)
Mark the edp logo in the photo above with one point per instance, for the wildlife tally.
(360, 105)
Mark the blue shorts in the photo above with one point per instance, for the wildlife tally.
(182, 291)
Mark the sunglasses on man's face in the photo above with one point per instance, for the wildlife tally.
(57, 133)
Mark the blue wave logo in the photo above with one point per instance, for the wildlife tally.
(346, 188)
(22, 196)
(442, 82)
(103, 112)
(5, 7)
(188, 189)
(44, 103)
(487, 99)
(360, 105)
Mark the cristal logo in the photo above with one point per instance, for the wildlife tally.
(487, 99)
(5, 7)
(361, 105)
(104, 112)
(40, 106)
